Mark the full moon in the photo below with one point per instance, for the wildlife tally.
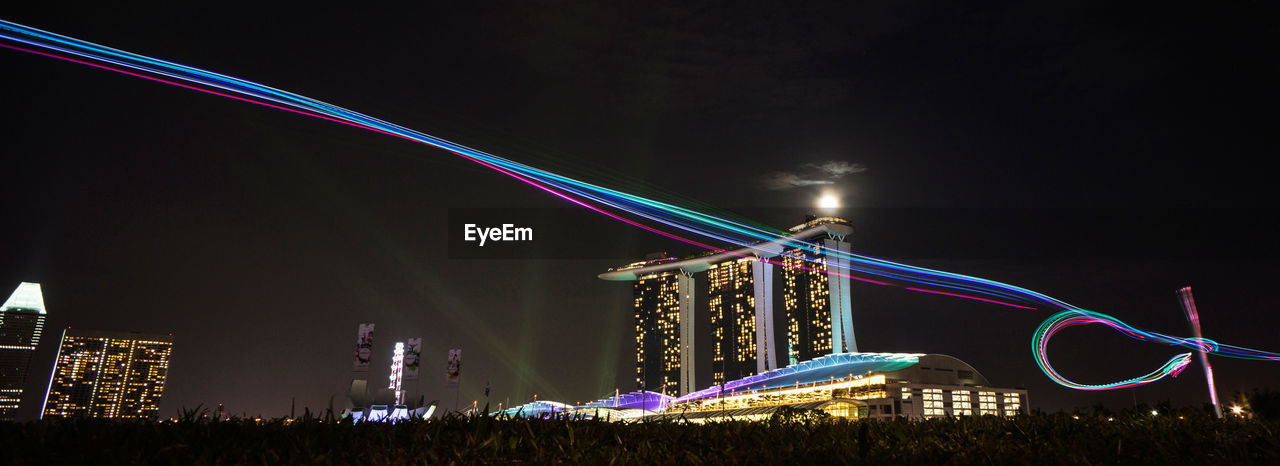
(828, 201)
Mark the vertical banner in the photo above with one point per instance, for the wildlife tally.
(397, 372)
(453, 371)
(364, 348)
(412, 355)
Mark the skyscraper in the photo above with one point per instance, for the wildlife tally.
(816, 295)
(664, 347)
(109, 375)
(805, 299)
(21, 322)
(731, 298)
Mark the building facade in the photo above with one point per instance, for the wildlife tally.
(664, 347)
(858, 385)
(109, 375)
(21, 323)
(817, 294)
(849, 385)
(731, 299)
(807, 304)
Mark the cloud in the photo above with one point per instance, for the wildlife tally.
(838, 168)
(811, 174)
(779, 181)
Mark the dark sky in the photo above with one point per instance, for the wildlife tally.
(1105, 155)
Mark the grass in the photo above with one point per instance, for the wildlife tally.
(790, 438)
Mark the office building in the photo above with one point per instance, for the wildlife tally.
(109, 375)
(21, 323)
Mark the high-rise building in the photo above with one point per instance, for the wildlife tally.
(816, 295)
(664, 347)
(805, 300)
(109, 375)
(21, 322)
(732, 301)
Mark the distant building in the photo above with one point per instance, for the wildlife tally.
(21, 322)
(109, 375)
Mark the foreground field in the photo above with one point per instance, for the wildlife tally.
(1035, 439)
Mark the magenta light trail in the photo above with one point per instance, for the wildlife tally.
(1002, 303)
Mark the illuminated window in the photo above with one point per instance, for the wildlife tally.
(987, 403)
(960, 403)
(932, 398)
(1012, 404)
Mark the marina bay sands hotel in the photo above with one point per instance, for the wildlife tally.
(739, 289)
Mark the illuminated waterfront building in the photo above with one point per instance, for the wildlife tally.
(740, 296)
(816, 300)
(851, 385)
(740, 319)
(860, 385)
(664, 347)
(21, 323)
(806, 303)
(108, 375)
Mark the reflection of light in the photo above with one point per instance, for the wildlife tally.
(1155, 413)
(828, 201)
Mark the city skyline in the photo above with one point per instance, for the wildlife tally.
(266, 238)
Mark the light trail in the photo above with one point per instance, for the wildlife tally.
(1193, 319)
(614, 204)
(1072, 318)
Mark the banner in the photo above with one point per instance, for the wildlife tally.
(364, 348)
(412, 355)
(453, 371)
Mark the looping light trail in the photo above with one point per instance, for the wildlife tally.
(662, 218)
(1061, 320)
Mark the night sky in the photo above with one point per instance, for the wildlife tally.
(1104, 155)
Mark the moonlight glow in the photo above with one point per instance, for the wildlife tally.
(828, 201)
